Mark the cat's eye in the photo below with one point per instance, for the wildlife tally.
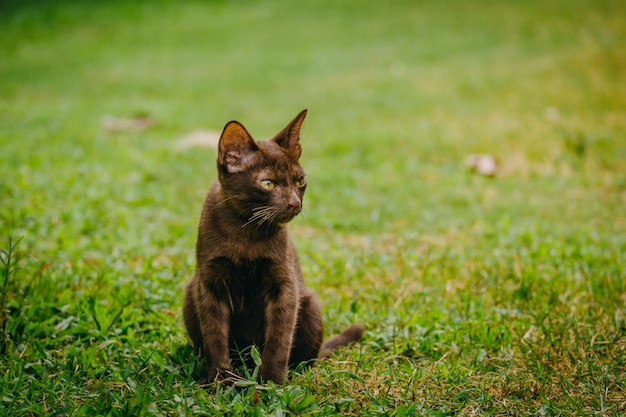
(267, 184)
(300, 182)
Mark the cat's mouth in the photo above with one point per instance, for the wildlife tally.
(288, 216)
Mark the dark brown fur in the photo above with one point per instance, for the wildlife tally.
(248, 287)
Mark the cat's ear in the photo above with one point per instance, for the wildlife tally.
(236, 147)
(289, 137)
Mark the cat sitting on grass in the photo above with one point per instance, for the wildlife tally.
(248, 288)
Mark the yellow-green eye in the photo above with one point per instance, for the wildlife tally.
(267, 184)
(300, 182)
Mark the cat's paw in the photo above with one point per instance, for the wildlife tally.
(227, 376)
(274, 374)
(223, 375)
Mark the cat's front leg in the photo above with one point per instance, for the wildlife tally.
(214, 319)
(280, 315)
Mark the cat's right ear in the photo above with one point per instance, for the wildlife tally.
(289, 137)
(236, 147)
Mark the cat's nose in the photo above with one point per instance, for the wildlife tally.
(294, 204)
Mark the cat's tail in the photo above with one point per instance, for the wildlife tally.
(350, 335)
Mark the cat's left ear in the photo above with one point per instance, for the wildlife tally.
(289, 137)
(236, 147)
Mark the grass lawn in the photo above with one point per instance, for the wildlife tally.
(480, 295)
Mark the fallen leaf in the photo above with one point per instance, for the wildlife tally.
(199, 138)
(482, 164)
(127, 124)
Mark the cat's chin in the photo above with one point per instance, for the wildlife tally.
(286, 218)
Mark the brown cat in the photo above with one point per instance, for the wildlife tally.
(248, 287)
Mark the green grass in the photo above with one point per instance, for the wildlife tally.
(480, 296)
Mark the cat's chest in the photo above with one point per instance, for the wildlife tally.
(246, 286)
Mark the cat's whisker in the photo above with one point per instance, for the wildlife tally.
(269, 218)
(268, 215)
(260, 215)
(271, 221)
(226, 199)
(262, 208)
(303, 213)
(247, 223)
(264, 214)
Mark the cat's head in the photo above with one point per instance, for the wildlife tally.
(262, 180)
